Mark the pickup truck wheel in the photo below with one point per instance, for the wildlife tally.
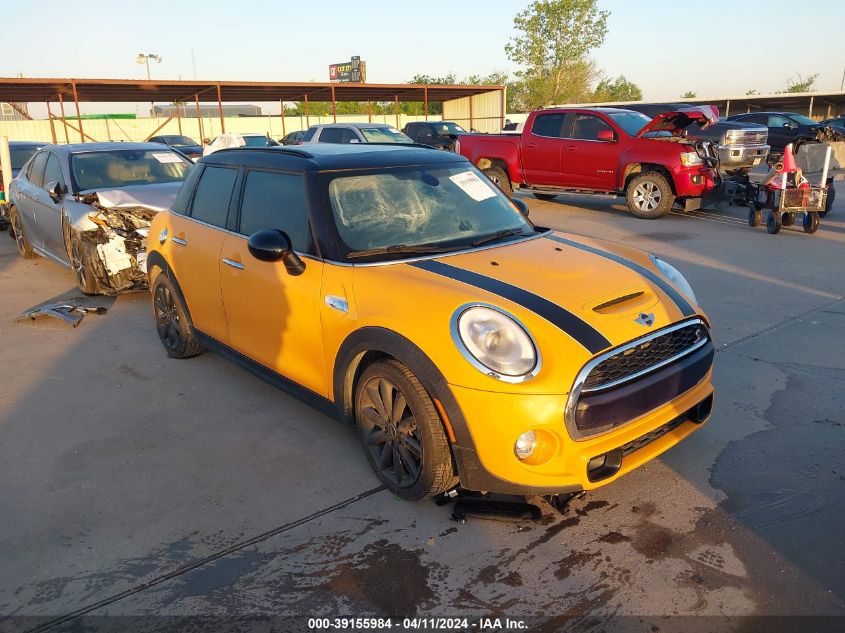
(545, 196)
(500, 179)
(650, 196)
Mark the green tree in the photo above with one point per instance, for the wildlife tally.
(753, 91)
(619, 89)
(800, 83)
(689, 94)
(552, 44)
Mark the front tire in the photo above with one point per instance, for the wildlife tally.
(80, 263)
(401, 432)
(649, 196)
(499, 178)
(17, 231)
(171, 319)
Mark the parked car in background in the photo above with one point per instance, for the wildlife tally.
(837, 123)
(89, 206)
(20, 152)
(293, 138)
(397, 289)
(651, 162)
(784, 127)
(237, 139)
(343, 133)
(742, 146)
(185, 144)
(439, 134)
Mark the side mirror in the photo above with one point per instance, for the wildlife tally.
(521, 205)
(605, 135)
(789, 126)
(55, 190)
(273, 245)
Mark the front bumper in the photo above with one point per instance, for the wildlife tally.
(742, 156)
(497, 419)
(694, 182)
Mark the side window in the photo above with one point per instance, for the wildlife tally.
(309, 133)
(332, 135)
(756, 118)
(586, 127)
(412, 130)
(53, 171)
(211, 201)
(36, 169)
(185, 191)
(776, 120)
(349, 135)
(426, 132)
(276, 201)
(548, 125)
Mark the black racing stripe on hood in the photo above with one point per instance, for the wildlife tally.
(580, 330)
(653, 277)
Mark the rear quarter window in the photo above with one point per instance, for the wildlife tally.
(214, 192)
(183, 198)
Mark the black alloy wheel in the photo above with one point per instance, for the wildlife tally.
(390, 432)
(166, 317)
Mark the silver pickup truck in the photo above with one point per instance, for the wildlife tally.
(742, 146)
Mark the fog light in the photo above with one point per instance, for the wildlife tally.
(696, 180)
(597, 462)
(525, 445)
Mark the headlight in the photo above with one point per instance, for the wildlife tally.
(675, 276)
(688, 159)
(731, 136)
(495, 343)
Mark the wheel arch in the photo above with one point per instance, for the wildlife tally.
(156, 262)
(635, 169)
(486, 163)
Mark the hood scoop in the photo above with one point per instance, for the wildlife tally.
(624, 302)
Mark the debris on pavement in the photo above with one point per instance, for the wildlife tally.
(70, 313)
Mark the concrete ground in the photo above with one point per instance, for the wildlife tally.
(138, 485)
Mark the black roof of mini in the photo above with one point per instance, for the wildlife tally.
(331, 156)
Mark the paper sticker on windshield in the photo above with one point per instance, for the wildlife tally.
(167, 157)
(473, 186)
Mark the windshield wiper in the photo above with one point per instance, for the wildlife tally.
(497, 236)
(399, 249)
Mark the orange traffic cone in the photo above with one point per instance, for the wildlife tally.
(788, 160)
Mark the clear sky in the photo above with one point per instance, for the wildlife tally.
(716, 47)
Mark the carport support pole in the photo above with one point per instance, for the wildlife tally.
(282, 111)
(425, 102)
(52, 124)
(810, 112)
(178, 117)
(502, 108)
(369, 111)
(220, 110)
(199, 117)
(307, 118)
(471, 124)
(64, 121)
(396, 109)
(78, 115)
(728, 108)
(334, 106)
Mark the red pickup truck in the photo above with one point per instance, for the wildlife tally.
(603, 150)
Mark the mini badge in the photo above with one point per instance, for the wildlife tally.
(645, 318)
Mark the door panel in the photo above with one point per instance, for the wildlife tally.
(195, 258)
(48, 212)
(274, 317)
(587, 161)
(541, 150)
(27, 204)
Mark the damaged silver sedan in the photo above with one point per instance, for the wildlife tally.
(89, 206)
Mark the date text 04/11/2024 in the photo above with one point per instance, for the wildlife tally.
(414, 624)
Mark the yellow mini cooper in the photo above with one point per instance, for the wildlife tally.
(395, 287)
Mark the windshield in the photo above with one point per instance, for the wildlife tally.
(258, 141)
(121, 168)
(384, 135)
(630, 122)
(447, 127)
(20, 155)
(803, 120)
(448, 205)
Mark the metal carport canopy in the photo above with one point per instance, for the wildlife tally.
(13, 89)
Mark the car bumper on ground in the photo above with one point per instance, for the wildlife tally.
(564, 464)
(742, 156)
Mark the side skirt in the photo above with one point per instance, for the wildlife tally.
(303, 394)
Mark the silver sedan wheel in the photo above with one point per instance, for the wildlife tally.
(17, 229)
(647, 196)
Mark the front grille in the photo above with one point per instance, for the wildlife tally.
(750, 138)
(648, 438)
(634, 361)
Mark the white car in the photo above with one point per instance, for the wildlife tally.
(355, 133)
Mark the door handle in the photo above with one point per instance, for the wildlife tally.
(570, 148)
(233, 263)
(531, 145)
(179, 240)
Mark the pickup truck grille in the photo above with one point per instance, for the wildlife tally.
(639, 358)
(751, 138)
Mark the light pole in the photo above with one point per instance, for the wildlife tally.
(145, 59)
